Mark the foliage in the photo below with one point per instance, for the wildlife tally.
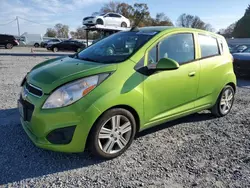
(161, 20)
(242, 28)
(191, 21)
(62, 30)
(228, 32)
(59, 30)
(80, 33)
(50, 32)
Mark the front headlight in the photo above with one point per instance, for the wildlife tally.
(72, 92)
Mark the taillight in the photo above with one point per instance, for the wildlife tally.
(16, 41)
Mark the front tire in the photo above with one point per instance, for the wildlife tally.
(112, 134)
(99, 22)
(224, 102)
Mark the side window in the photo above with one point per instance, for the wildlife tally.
(152, 56)
(117, 15)
(209, 46)
(179, 47)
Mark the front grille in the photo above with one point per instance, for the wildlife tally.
(28, 109)
(33, 90)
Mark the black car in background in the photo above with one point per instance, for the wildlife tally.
(8, 41)
(239, 48)
(51, 41)
(242, 64)
(68, 45)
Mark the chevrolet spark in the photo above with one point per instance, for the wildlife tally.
(101, 97)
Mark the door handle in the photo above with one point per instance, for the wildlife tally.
(191, 74)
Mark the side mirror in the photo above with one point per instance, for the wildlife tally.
(167, 64)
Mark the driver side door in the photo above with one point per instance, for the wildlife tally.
(170, 93)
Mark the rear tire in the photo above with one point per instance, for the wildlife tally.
(9, 46)
(55, 49)
(124, 24)
(107, 141)
(36, 45)
(99, 22)
(224, 102)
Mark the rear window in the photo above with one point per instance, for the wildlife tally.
(209, 46)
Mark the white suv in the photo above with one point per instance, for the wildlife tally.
(108, 19)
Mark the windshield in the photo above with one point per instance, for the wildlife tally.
(116, 48)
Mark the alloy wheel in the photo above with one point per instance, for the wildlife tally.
(114, 134)
(226, 101)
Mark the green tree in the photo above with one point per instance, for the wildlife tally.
(228, 32)
(242, 28)
(191, 21)
(50, 32)
(62, 30)
(161, 20)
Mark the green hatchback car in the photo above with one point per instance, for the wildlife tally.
(101, 97)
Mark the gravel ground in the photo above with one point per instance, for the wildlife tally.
(196, 151)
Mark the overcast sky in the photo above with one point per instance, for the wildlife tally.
(219, 13)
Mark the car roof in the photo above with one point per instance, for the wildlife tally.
(172, 28)
(6, 35)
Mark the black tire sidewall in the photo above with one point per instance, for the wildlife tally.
(93, 145)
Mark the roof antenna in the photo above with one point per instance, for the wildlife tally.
(135, 27)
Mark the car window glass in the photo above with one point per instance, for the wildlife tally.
(247, 50)
(116, 15)
(209, 46)
(117, 47)
(152, 56)
(179, 47)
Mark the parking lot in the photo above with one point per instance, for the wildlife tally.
(195, 151)
(29, 50)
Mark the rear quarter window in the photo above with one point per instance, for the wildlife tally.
(208, 45)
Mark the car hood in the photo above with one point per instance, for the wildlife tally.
(56, 72)
(241, 56)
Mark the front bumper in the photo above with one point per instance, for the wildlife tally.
(43, 122)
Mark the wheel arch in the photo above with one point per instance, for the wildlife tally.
(102, 19)
(232, 85)
(126, 107)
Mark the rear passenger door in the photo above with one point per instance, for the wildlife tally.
(211, 69)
